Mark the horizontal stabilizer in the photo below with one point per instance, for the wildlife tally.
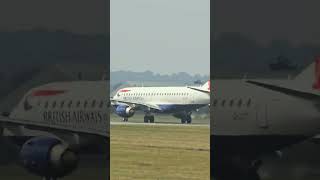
(285, 90)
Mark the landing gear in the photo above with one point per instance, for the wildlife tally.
(125, 119)
(148, 118)
(186, 119)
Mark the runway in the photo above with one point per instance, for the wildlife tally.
(157, 124)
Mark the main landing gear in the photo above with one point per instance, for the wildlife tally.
(125, 119)
(186, 119)
(148, 118)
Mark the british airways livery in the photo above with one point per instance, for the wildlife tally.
(261, 117)
(178, 101)
(56, 123)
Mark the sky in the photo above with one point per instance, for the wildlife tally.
(163, 36)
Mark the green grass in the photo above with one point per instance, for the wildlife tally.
(159, 152)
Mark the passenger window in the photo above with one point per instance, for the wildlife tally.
(101, 104)
(62, 104)
(215, 102)
(39, 103)
(93, 103)
(249, 103)
(54, 104)
(78, 104)
(46, 104)
(231, 103)
(223, 102)
(240, 103)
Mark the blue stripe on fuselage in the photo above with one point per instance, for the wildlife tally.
(171, 108)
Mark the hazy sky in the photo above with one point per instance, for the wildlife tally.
(164, 36)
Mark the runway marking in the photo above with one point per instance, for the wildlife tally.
(157, 124)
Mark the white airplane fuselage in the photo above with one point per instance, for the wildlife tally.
(168, 99)
(240, 108)
(250, 118)
(56, 119)
(78, 107)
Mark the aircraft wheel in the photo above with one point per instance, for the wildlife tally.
(151, 119)
(189, 119)
(183, 121)
(145, 119)
(125, 119)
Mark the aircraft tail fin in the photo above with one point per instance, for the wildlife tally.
(204, 88)
(310, 76)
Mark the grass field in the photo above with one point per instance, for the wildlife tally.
(159, 152)
(92, 171)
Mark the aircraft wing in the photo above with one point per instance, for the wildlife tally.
(137, 105)
(43, 126)
(286, 90)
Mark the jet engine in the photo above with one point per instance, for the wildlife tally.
(125, 111)
(48, 157)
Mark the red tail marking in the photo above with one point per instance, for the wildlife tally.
(316, 84)
(124, 90)
(47, 92)
(209, 85)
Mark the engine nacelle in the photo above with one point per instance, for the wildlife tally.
(48, 157)
(125, 111)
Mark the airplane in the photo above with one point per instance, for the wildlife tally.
(55, 122)
(254, 117)
(178, 101)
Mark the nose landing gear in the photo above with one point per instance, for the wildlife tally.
(148, 118)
